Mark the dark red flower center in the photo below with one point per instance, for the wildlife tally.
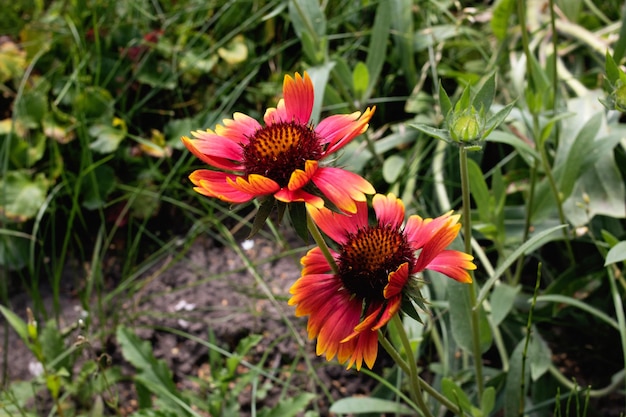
(368, 258)
(277, 150)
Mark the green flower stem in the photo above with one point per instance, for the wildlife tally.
(319, 240)
(414, 379)
(402, 364)
(471, 289)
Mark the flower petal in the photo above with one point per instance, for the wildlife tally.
(314, 262)
(216, 151)
(255, 184)
(397, 281)
(342, 187)
(365, 349)
(389, 210)
(299, 97)
(276, 114)
(338, 226)
(439, 239)
(300, 178)
(454, 264)
(240, 129)
(288, 196)
(218, 184)
(339, 129)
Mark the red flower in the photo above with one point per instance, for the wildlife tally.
(376, 265)
(282, 158)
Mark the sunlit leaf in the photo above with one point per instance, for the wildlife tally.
(366, 405)
(22, 195)
(235, 51)
(616, 254)
(12, 61)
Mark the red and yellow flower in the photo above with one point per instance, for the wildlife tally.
(284, 157)
(375, 265)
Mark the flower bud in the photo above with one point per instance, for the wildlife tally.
(619, 94)
(466, 126)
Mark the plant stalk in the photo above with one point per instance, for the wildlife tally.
(471, 289)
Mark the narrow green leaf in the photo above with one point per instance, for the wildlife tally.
(444, 101)
(527, 246)
(19, 325)
(360, 79)
(484, 97)
(611, 68)
(431, 131)
(377, 50)
(480, 191)
(616, 254)
(564, 299)
(404, 32)
(264, 211)
(464, 101)
(319, 77)
(497, 119)
(584, 144)
(365, 405)
(500, 17)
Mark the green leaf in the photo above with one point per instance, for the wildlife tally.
(502, 300)
(360, 79)
(366, 405)
(527, 152)
(441, 134)
(539, 356)
(12, 61)
(455, 394)
(307, 16)
(616, 254)
(403, 32)
(526, 247)
(22, 196)
(461, 318)
(93, 102)
(108, 138)
(319, 77)
(392, 168)
(488, 401)
(497, 119)
(96, 186)
(31, 108)
(512, 390)
(377, 50)
(444, 101)
(480, 191)
(501, 14)
(264, 211)
(19, 325)
(564, 299)
(484, 97)
(611, 68)
(289, 407)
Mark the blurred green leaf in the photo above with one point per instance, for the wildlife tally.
(108, 138)
(158, 75)
(22, 195)
(456, 395)
(377, 50)
(360, 79)
(289, 407)
(96, 187)
(461, 318)
(392, 168)
(616, 254)
(19, 325)
(539, 356)
(12, 61)
(512, 391)
(484, 96)
(366, 405)
(31, 108)
(501, 15)
(502, 300)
